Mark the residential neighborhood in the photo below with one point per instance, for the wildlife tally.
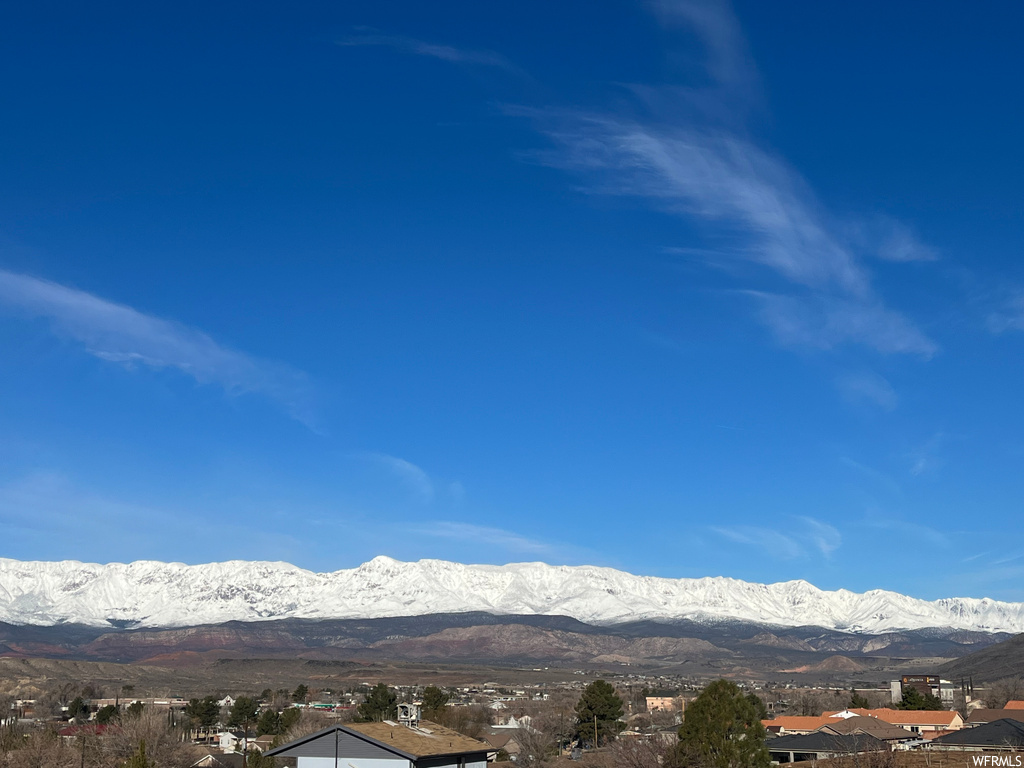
(644, 722)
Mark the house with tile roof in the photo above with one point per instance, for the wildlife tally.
(386, 744)
(924, 722)
(872, 726)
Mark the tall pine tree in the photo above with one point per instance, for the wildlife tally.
(721, 729)
(598, 712)
(380, 703)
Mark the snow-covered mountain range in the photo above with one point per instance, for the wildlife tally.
(155, 594)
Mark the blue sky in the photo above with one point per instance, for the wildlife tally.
(677, 287)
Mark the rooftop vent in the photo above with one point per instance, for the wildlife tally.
(409, 714)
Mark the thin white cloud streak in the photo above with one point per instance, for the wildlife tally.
(879, 478)
(686, 159)
(825, 537)
(898, 243)
(926, 458)
(913, 531)
(421, 48)
(868, 387)
(120, 334)
(826, 321)
(729, 61)
(479, 534)
(806, 532)
(412, 476)
(727, 182)
(1010, 317)
(766, 539)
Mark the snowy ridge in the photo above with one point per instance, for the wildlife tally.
(155, 594)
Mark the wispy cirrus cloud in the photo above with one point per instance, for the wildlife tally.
(804, 536)
(497, 537)
(878, 479)
(729, 61)
(910, 530)
(432, 50)
(412, 476)
(826, 538)
(897, 242)
(868, 387)
(123, 335)
(1009, 316)
(768, 540)
(753, 202)
(686, 151)
(926, 457)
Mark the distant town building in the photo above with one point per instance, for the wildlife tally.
(926, 685)
(664, 703)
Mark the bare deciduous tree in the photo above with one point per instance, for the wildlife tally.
(164, 744)
(1002, 691)
(310, 722)
(640, 753)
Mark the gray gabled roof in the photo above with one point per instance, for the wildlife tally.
(821, 741)
(307, 746)
(998, 733)
(376, 740)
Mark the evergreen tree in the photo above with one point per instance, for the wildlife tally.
(380, 703)
(434, 702)
(760, 709)
(290, 717)
(300, 694)
(857, 701)
(914, 699)
(243, 713)
(77, 709)
(204, 713)
(269, 722)
(600, 708)
(134, 710)
(139, 760)
(108, 714)
(256, 759)
(721, 729)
